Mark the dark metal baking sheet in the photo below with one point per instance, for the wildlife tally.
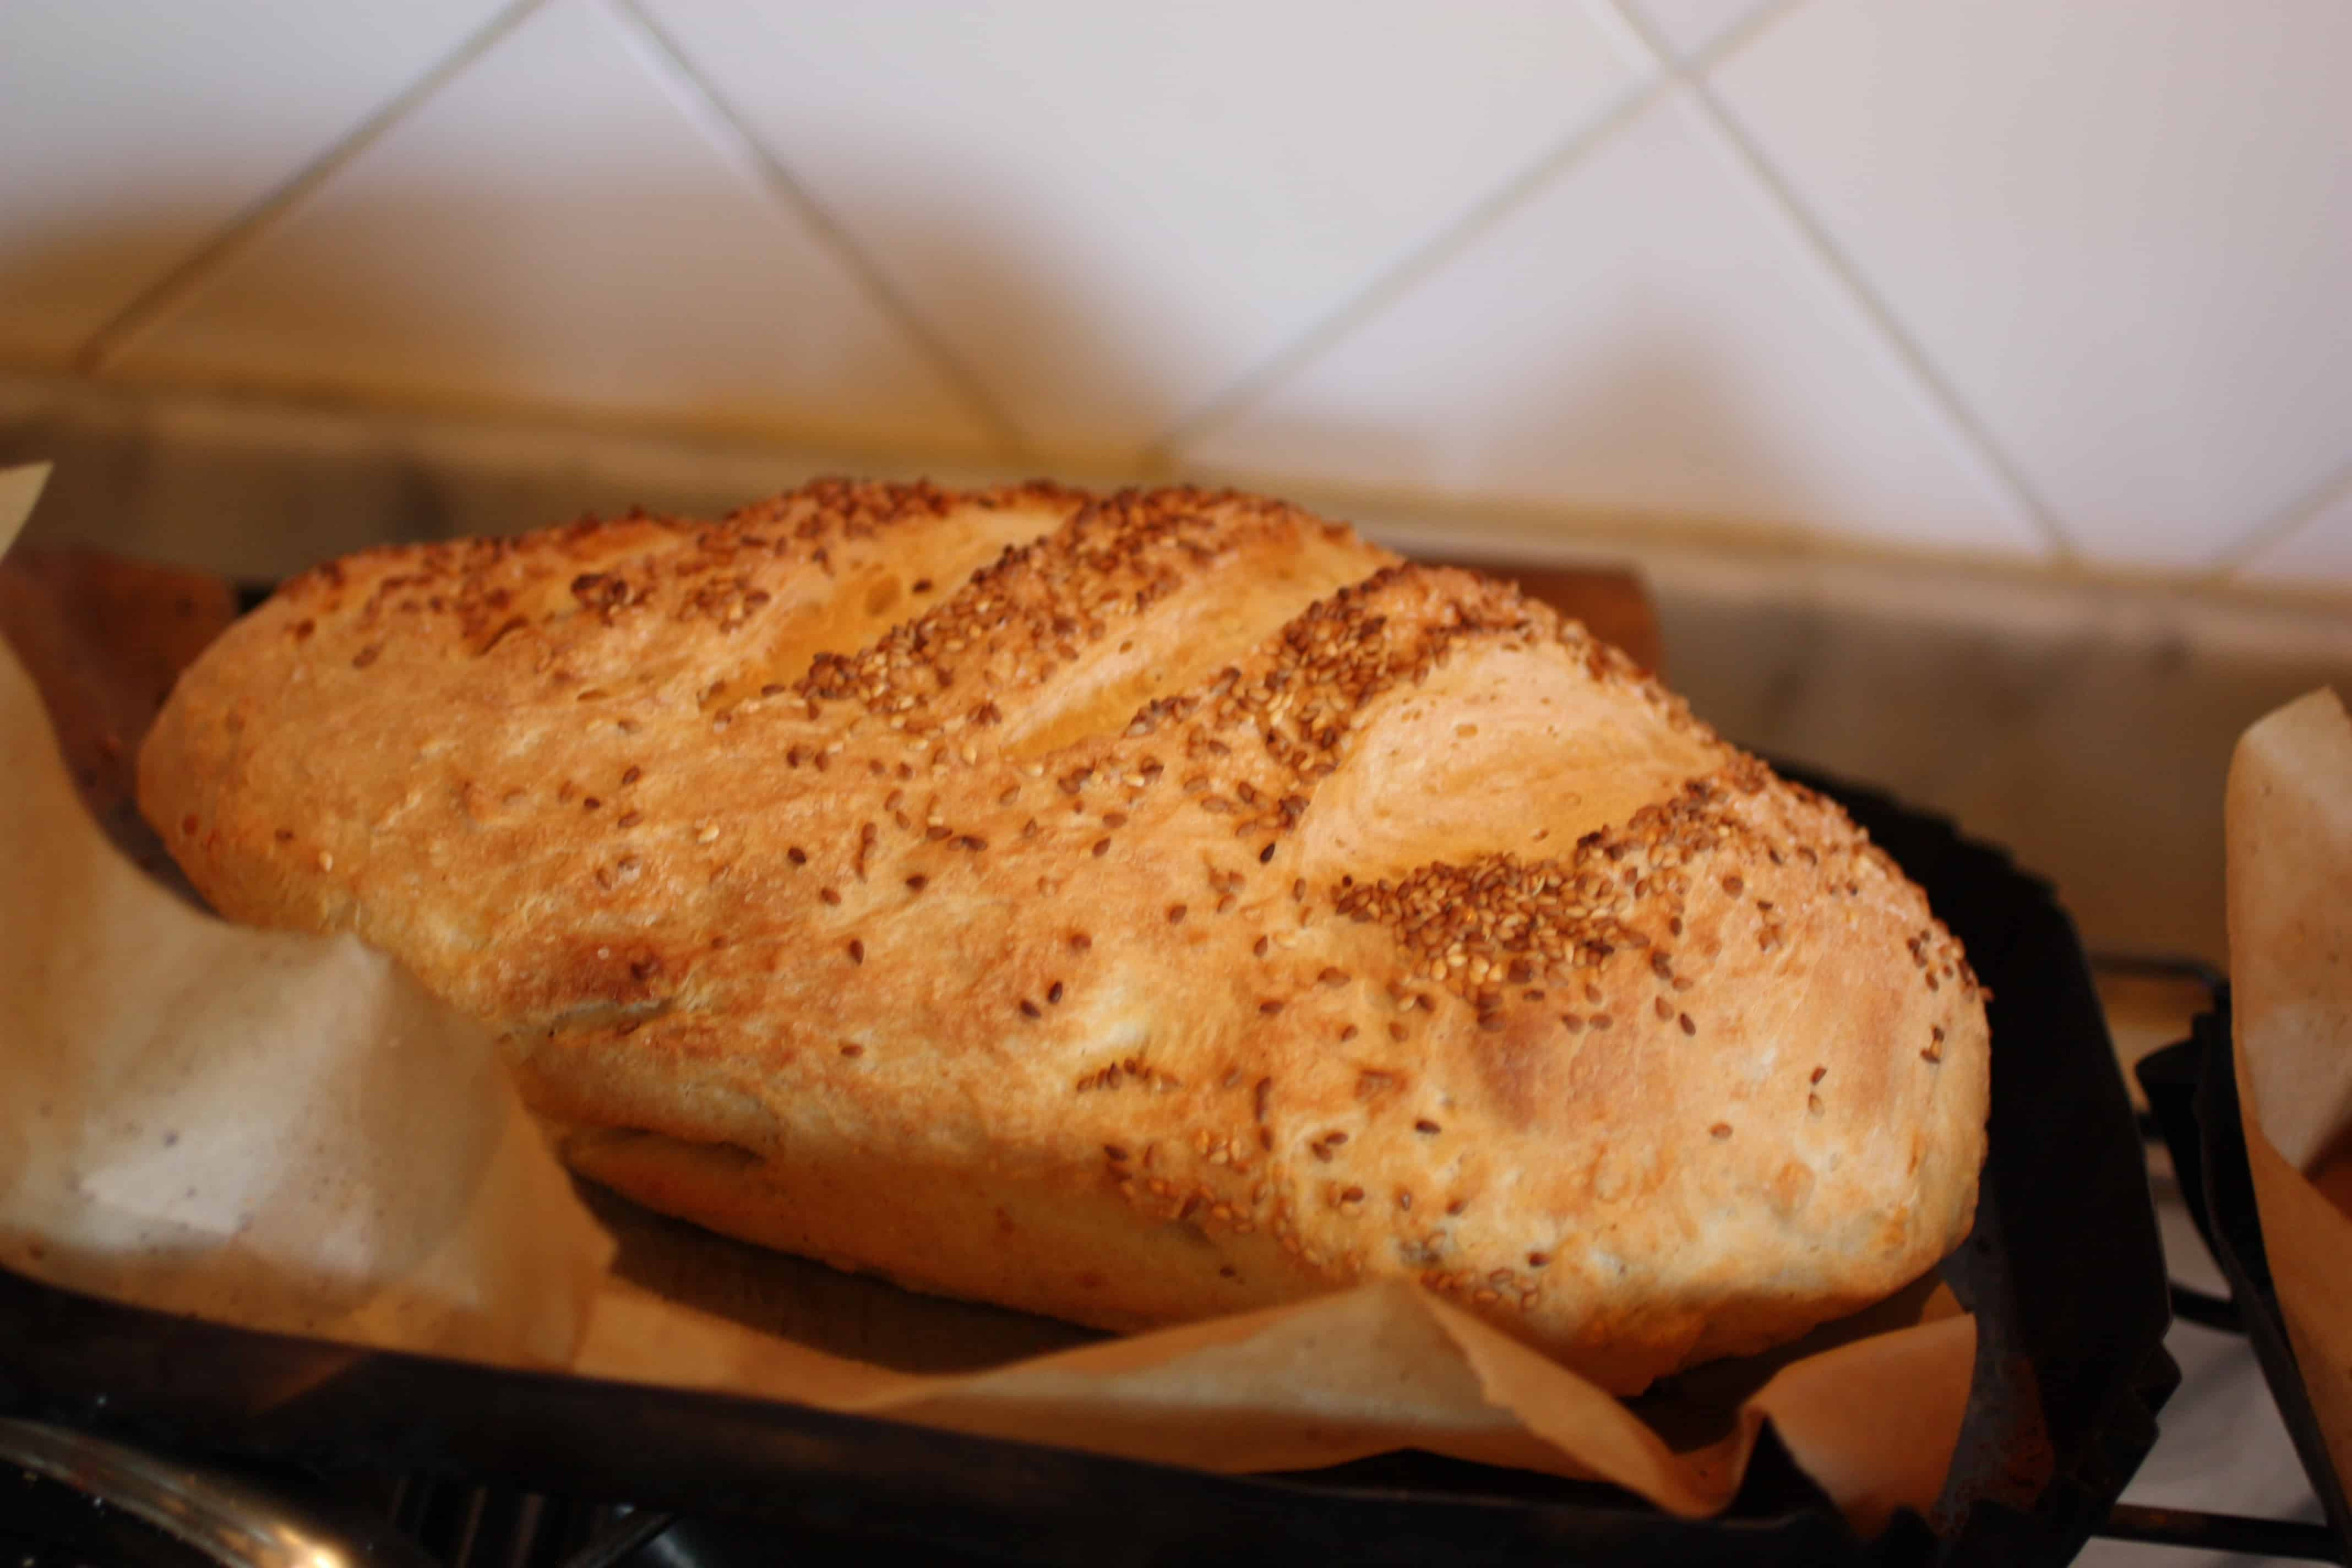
(2062, 1270)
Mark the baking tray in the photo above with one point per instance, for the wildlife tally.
(2192, 1089)
(2063, 1270)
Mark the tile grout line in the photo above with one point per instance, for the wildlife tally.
(1881, 318)
(2281, 525)
(777, 180)
(151, 304)
(1159, 454)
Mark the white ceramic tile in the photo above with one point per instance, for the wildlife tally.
(1113, 212)
(1643, 334)
(554, 227)
(130, 130)
(2121, 229)
(1690, 25)
(2317, 554)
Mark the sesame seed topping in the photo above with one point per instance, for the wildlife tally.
(856, 951)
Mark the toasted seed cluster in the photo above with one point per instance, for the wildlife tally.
(1037, 608)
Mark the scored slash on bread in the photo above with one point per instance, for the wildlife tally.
(1127, 909)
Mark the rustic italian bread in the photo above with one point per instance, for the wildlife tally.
(1126, 909)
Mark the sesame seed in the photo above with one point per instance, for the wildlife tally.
(917, 882)
(1053, 994)
(856, 951)
(1176, 914)
(1721, 1129)
(632, 775)
(1265, 855)
(829, 896)
(1427, 1127)
(1270, 1007)
(796, 855)
(1029, 1009)
(1102, 848)
(1665, 1008)
(326, 860)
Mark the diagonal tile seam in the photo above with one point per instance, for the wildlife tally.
(155, 302)
(1690, 76)
(1161, 454)
(2289, 521)
(732, 134)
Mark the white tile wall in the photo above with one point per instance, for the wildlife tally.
(1113, 212)
(2318, 549)
(2040, 282)
(556, 225)
(133, 132)
(2121, 229)
(1641, 335)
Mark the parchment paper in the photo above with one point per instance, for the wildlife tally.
(2290, 879)
(286, 1131)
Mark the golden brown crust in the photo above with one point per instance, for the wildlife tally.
(1185, 908)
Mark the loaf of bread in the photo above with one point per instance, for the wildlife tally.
(1128, 909)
